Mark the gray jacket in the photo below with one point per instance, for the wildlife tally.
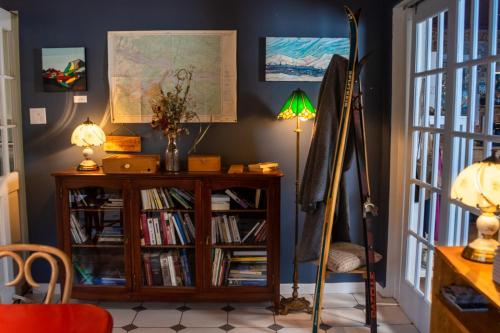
(316, 178)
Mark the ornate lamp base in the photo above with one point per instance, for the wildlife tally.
(294, 304)
(88, 165)
(483, 256)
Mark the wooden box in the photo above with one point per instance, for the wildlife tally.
(204, 163)
(125, 163)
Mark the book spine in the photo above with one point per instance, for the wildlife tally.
(190, 225)
(147, 269)
(151, 229)
(177, 267)
(179, 199)
(233, 196)
(184, 228)
(178, 228)
(172, 229)
(173, 280)
(227, 229)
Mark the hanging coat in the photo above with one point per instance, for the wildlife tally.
(316, 178)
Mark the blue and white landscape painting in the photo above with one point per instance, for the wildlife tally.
(301, 59)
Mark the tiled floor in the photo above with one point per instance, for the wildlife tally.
(343, 313)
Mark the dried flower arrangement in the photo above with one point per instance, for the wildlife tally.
(174, 107)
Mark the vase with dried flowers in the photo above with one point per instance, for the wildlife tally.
(170, 110)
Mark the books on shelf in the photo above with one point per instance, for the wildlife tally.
(112, 234)
(220, 202)
(78, 232)
(77, 198)
(228, 229)
(239, 268)
(239, 199)
(166, 228)
(113, 202)
(166, 198)
(88, 272)
(170, 268)
(496, 266)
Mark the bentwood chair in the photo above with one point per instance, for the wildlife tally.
(50, 254)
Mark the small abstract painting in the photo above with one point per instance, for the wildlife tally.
(64, 69)
(301, 59)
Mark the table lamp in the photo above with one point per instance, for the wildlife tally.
(87, 135)
(479, 186)
(297, 106)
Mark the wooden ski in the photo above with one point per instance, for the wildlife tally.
(336, 169)
(369, 209)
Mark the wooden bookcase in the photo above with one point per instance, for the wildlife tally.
(100, 226)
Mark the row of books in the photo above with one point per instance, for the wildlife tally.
(239, 268)
(171, 268)
(162, 228)
(228, 229)
(80, 199)
(264, 167)
(78, 233)
(165, 198)
(112, 234)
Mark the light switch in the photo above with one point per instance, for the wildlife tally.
(80, 99)
(38, 116)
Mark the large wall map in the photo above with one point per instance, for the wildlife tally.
(138, 60)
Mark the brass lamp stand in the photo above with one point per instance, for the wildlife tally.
(295, 303)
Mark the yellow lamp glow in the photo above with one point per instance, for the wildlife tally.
(479, 186)
(87, 135)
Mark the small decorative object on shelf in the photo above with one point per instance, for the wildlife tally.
(478, 186)
(87, 135)
(169, 111)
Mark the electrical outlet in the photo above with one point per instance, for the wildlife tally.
(38, 116)
(80, 99)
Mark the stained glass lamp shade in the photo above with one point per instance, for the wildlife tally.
(87, 135)
(297, 105)
(479, 186)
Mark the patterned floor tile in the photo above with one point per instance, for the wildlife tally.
(129, 327)
(299, 319)
(206, 305)
(380, 329)
(296, 330)
(360, 297)
(238, 305)
(122, 317)
(251, 317)
(391, 315)
(157, 318)
(253, 330)
(214, 317)
(161, 305)
(339, 301)
(118, 330)
(153, 330)
(343, 317)
(202, 330)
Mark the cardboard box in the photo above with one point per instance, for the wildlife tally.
(125, 163)
(204, 163)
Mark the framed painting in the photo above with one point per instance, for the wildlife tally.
(64, 69)
(141, 60)
(301, 59)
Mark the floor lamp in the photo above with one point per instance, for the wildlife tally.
(297, 106)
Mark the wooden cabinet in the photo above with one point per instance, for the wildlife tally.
(155, 237)
(450, 268)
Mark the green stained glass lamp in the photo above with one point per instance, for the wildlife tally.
(297, 106)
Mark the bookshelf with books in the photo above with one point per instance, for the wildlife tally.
(171, 236)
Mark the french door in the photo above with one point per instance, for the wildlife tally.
(453, 120)
(12, 203)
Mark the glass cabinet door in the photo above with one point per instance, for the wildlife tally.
(167, 227)
(96, 224)
(239, 231)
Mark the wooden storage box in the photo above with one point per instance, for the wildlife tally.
(125, 163)
(204, 163)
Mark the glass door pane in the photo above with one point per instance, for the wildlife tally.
(239, 242)
(168, 231)
(97, 236)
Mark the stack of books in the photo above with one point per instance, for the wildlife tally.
(113, 202)
(171, 269)
(496, 266)
(227, 229)
(165, 198)
(264, 167)
(220, 202)
(78, 233)
(239, 268)
(112, 234)
(162, 228)
(77, 199)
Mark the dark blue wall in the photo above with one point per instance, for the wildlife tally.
(257, 136)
